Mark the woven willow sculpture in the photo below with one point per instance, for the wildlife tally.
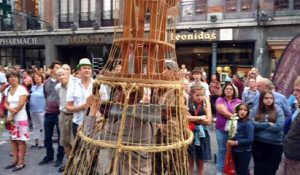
(141, 126)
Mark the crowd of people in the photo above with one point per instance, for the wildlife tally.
(54, 99)
(263, 116)
(267, 127)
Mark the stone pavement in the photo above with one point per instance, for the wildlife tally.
(36, 155)
(32, 160)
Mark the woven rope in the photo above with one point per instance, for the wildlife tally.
(104, 144)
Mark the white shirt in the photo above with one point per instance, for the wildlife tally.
(62, 92)
(14, 100)
(78, 94)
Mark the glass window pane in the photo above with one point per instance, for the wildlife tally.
(84, 6)
(297, 4)
(231, 6)
(246, 5)
(201, 7)
(281, 4)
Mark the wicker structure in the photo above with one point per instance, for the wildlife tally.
(141, 126)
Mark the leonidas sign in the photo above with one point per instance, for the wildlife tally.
(18, 41)
(206, 36)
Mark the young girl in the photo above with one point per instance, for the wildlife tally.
(242, 141)
(200, 115)
(268, 137)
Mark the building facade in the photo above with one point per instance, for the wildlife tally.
(223, 36)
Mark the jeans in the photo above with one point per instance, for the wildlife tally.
(51, 120)
(241, 161)
(221, 141)
(266, 158)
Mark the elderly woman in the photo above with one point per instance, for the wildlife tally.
(15, 102)
(225, 106)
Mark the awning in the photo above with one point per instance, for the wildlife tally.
(277, 44)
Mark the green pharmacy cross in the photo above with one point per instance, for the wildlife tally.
(5, 8)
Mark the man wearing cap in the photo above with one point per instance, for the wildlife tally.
(197, 75)
(78, 93)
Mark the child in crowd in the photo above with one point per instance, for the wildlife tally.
(242, 142)
(268, 136)
(200, 116)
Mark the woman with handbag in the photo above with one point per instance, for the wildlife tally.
(268, 137)
(17, 120)
(225, 106)
(200, 115)
(242, 140)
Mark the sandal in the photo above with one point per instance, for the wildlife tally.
(13, 164)
(19, 167)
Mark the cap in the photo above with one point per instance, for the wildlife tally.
(84, 61)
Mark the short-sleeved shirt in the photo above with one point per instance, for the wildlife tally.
(78, 94)
(221, 120)
(14, 100)
(37, 99)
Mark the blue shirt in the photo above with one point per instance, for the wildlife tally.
(266, 133)
(244, 136)
(37, 101)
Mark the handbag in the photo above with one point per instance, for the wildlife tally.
(229, 167)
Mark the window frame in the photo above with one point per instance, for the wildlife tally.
(69, 15)
(239, 9)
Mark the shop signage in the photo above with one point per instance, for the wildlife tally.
(196, 36)
(86, 39)
(18, 41)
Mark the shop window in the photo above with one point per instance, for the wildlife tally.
(109, 12)
(9, 56)
(34, 57)
(66, 13)
(232, 57)
(87, 13)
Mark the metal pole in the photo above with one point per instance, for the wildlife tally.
(214, 58)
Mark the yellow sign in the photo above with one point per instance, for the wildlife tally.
(207, 36)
